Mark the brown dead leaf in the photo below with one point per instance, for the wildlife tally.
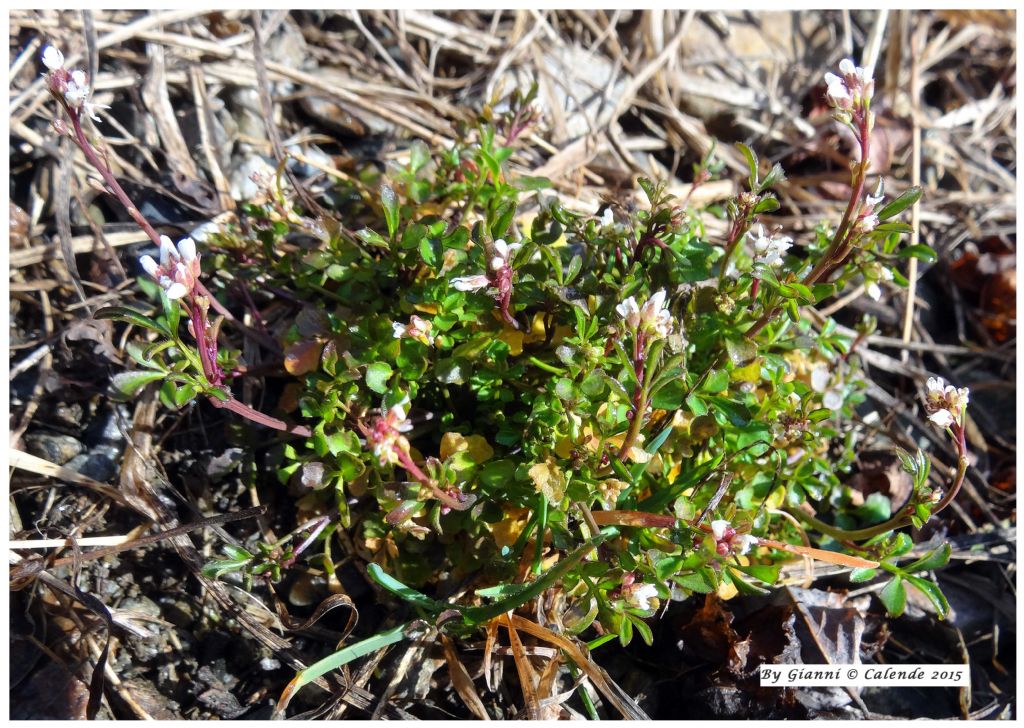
(303, 357)
(462, 682)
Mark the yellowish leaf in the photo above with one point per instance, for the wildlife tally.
(549, 480)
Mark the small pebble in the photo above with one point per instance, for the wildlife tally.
(97, 465)
(57, 449)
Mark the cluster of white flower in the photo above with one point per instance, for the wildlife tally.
(727, 539)
(417, 328)
(608, 224)
(880, 272)
(504, 252)
(386, 436)
(944, 403)
(72, 85)
(769, 249)
(854, 88)
(653, 317)
(639, 596)
(501, 264)
(178, 268)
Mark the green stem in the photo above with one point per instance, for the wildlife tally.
(899, 521)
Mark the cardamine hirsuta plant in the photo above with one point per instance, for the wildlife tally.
(507, 399)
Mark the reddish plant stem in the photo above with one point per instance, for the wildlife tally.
(108, 177)
(739, 228)
(414, 470)
(258, 417)
(839, 248)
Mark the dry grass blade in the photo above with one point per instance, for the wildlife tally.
(615, 695)
(31, 463)
(462, 682)
(527, 675)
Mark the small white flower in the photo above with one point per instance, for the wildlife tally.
(607, 218)
(640, 596)
(837, 93)
(504, 254)
(874, 291)
(820, 378)
(53, 58)
(885, 273)
(769, 249)
(747, 542)
(718, 529)
(847, 67)
(944, 403)
(833, 398)
(630, 312)
(655, 316)
(201, 233)
(417, 328)
(178, 268)
(868, 223)
(470, 283)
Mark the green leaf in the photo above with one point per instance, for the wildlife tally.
(131, 316)
(430, 251)
(768, 204)
(751, 158)
(717, 381)
(894, 596)
(822, 413)
(129, 383)
(216, 569)
(575, 266)
(768, 573)
(921, 252)
(861, 575)
(377, 375)
(476, 615)
(932, 560)
(353, 652)
(502, 219)
(419, 155)
(774, 177)
(643, 629)
(185, 394)
(389, 201)
(372, 237)
(901, 203)
(700, 582)
(934, 594)
(532, 184)
(901, 545)
(742, 585)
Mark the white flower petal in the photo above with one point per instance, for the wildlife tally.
(187, 249)
(399, 330)
(718, 529)
(167, 250)
(53, 58)
(820, 378)
(943, 418)
(149, 265)
(847, 67)
(176, 291)
(501, 247)
(470, 283)
(874, 291)
(747, 542)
